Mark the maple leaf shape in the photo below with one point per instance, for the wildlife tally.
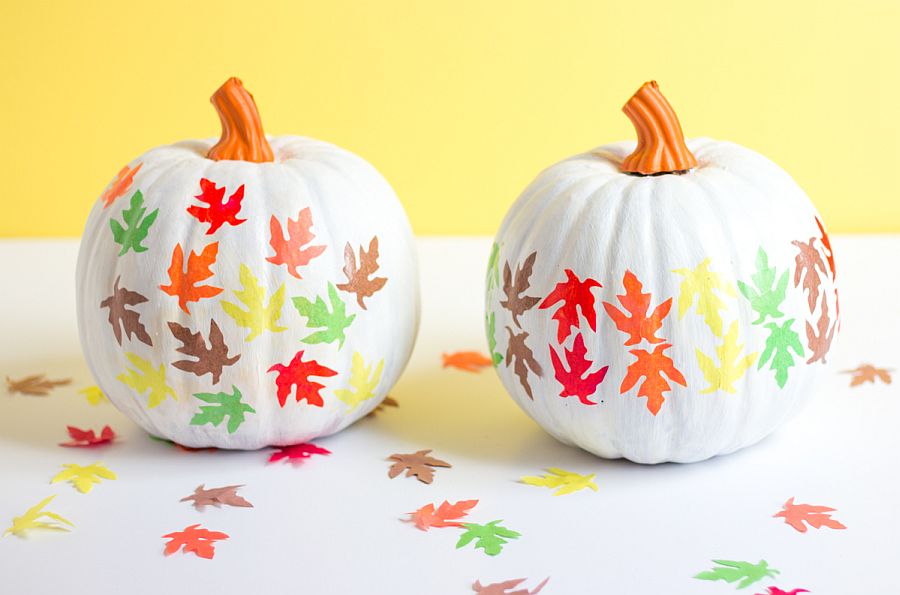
(291, 253)
(317, 315)
(468, 361)
(576, 381)
(385, 403)
(297, 453)
(730, 368)
(88, 437)
(37, 385)
(218, 212)
(358, 281)
(732, 571)
(417, 464)
(363, 380)
(136, 226)
(816, 517)
(183, 284)
(210, 360)
(224, 405)
(446, 514)
(819, 339)
(147, 378)
(702, 284)
(765, 295)
(808, 261)
(638, 326)
(93, 395)
(492, 277)
(779, 344)
(568, 482)
(652, 366)
(490, 537)
(503, 587)
(866, 373)
(120, 185)
(257, 317)
(31, 519)
(491, 330)
(226, 495)
(515, 302)
(121, 318)
(574, 294)
(520, 354)
(297, 373)
(83, 477)
(194, 539)
(826, 243)
(777, 591)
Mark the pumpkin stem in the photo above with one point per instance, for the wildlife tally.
(242, 138)
(660, 146)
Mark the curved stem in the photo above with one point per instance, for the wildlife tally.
(242, 138)
(660, 147)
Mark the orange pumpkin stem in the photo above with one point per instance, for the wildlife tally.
(242, 138)
(660, 146)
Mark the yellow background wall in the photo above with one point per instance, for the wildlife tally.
(458, 103)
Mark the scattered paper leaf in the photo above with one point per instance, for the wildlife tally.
(652, 366)
(731, 365)
(733, 571)
(194, 539)
(88, 437)
(574, 294)
(417, 464)
(779, 344)
(147, 378)
(120, 185)
(93, 395)
(37, 385)
(83, 477)
(209, 360)
(816, 517)
(183, 284)
(867, 373)
(297, 374)
(297, 453)
(468, 361)
(385, 403)
(520, 355)
(222, 405)
(568, 482)
(503, 588)
(136, 227)
(777, 591)
(363, 381)
(704, 286)
(291, 252)
(638, 326)
(317, 315)
(490, 537)
(446, 515)
(21, 525)
(358, 281)
(123, 319)
(258, 317)
(513, 289)
(576, 381)
(226, 495)
(217, 212)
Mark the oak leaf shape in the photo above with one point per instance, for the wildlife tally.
(704, 286)
(363, 381)
(333, 323)
(734, 571)
(136, 227)
(730, 368)
(93, 395)
(227, 495)
(490, 537)
(297, 374)
(808, 261)
(123, 319)
(147, 378)
(766, 294)
(652, 367)
(31, 519)
(417, 464)
(222, 405)
(297, 453)
(568, 482)
(467, 361)
(826, 243)
(358, 281)
(37, 385)
(258, 316)
(638, 326)
(183, 284)
(84, 477)
(209, 360)
(819, 339)
(576, 381)
(194, 539)
(503, 587)
(218, 212)
(291, 252)
(384, 404)
(779, 344)
(446, 515)
(120, 185)
(81, 438)
(777, 591)
(574, 294)
(514, 287)
(816, 517)
(868, 373)
(520, 354)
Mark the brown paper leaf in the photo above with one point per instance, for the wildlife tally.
(819, 338)
(809, 261)
(210, 360)
(417, 464)
(121, 318)
(515, 302)
(216, 497)
(503, 588)
(358, 281)
(37, 385)
(387, 402)
(519, 353)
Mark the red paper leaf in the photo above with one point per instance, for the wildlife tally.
(638, 326)
(291, 252)
(574, 294)
(218, 212)
(651, 367)
(574, 381)
(194, 539)
(777, 591)
(82, 438)
(297, 453)
(297, 373)
(446, 514)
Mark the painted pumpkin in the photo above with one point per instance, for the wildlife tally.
(248, 292)
(668, 301)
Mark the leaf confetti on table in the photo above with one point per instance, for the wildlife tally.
(31, 519)
(816, 517)
(83, 477)
(868, 373)
(37, 385)
(467, 361)
(82, 438)
(93, 395)
(503, 588)
(194, 539)
(226, 495)
(297, 453)
(446, 515)
(734, 571)
(777, 591)
(568, 482)
(387, 402)
(417, 464)
(490, 537)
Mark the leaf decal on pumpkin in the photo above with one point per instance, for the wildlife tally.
(222, 405)
(184, 284)
(121, 318)
(258, 316)
(819, 338)
(317, 314)
(652, 367)
(826, 243)
(520, 354)
(574, 294)
(120, 185)
(218, 212)
(210, 360)
(136, 227)
(515, 302)
(779, 344)
(638, 326)
(492, 277)
(358, 281)
(363, 381)
(576, 381)
(702, 285)
(808, 262)
(730, 368)
(291, 252)
(146, 378)
(491, 330)
(765, 295)
(297, 374)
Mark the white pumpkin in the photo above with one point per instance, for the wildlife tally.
(659, 307)
(248, 292)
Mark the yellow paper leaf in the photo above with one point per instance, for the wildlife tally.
(256, 317)
(147, 379)
(730, 369)
(83, 478)
(567, 481)
(362, 382)
(31, 520)
(93, 395)
(701, 283)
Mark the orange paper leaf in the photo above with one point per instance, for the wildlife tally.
(183, 284)
(469, 361)
(446, 515)
(869, 373)
(120, 185)
(816, 517)
(194, 539)
(651, 367)
(291, 252)
(639, 326)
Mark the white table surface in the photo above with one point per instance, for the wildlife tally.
(331, 526)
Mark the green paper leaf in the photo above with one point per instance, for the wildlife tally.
(136, 225)
(779, 343)
(765, 296)
(733, 571)
(225, 406)
(490, 537)
(318, 316)
(496, 358)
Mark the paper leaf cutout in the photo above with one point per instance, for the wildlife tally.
(568, 482)
(574, 294)
(146, 378)
(808, 261)
(490, 537)
(638, 326)
(520, 354)
(223, 405)
(93, 395)
(297, 453)
(358, 281)
(816, 517)
(491, 330)
(704, 286)
(331, 322)
(258, 316)
(504, 587)
(779, 344)
(226, 495)
(417, 464)
(467, 361)
(819, 338)
(291, 252)
(218, 212)
(652, 367)
(123, 319)
(195, 540)
(21, 525)
(766, 294)
(731, 366)
(446, 515)
(136, 227)
(37, 385)
(777, 591)
(297, 373)
(183, 284)
(88, 437)
(826, 243)
(515, 302)
(210, 360)
(492, 277)
(120, 185)
(83, 477)
(743, 573)
(385, 403)
(864, 373)
(576, 381)
(363, 381)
